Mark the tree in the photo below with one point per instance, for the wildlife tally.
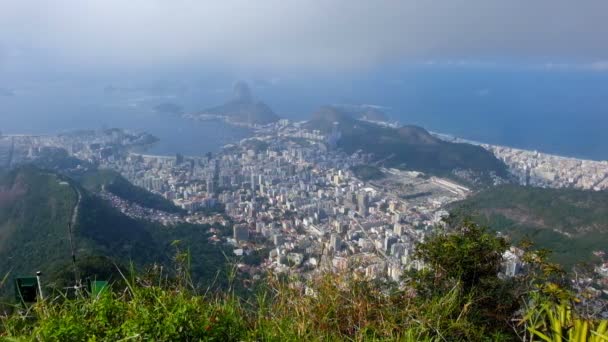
(467, 253)
(467, 257)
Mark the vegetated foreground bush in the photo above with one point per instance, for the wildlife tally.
(335, 311)
(437, 304)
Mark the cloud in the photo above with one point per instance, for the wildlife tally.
(301, 34)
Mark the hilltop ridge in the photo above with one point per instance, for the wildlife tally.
(37, 207)
(410, 147)
(364, 112)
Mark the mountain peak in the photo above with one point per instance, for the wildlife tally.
(242, 93)
(242, 107)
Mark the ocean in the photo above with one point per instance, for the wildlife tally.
(44, 113)
(559, 112)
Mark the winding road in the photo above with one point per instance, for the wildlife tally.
(71, 224)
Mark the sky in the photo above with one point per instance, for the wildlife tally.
(300, 36)
(523, 73)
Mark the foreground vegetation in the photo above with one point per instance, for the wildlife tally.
(457, 297)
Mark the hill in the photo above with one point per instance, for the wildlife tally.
(243, 108)
(410, 147)
(30, 220)
(571, 223)
(94, 180)
(363, 112)
(37, 207)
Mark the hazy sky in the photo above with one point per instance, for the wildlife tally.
(306, 34)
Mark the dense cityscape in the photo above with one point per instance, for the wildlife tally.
(266, 171)
(539, 169)
(294, 196)
(286, 192)
(297, 203)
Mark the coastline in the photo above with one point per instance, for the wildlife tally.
(220, 118)
(226, 120)
(451, 138)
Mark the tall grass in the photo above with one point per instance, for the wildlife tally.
(557, 322)
(336, 308)
(158, 306)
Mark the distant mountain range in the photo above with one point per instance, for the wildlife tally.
(243, 108)
(410, 147)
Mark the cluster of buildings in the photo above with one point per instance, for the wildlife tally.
(136, 211)
(297, 200)
(546, 170)
(6, 147)
(85, 145)
(288, 193)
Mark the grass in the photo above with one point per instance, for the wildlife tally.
(161, 306)
(559, 323)
(337, 307)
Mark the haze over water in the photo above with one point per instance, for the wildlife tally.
(70, 108)
(492, 71)
(560, 112)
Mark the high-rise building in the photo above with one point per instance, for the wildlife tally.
(398, 250)
(398, 228)
(241, 232)
(210, 187)
(179, 159)
(362, 204)
(216, 168)
(335, 243)
(278, 239)
(389, 241)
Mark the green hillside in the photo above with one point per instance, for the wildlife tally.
(571, 223)
(94, 179)
(33, 223)
(409, 147)
(113, 182)
(37, 206)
